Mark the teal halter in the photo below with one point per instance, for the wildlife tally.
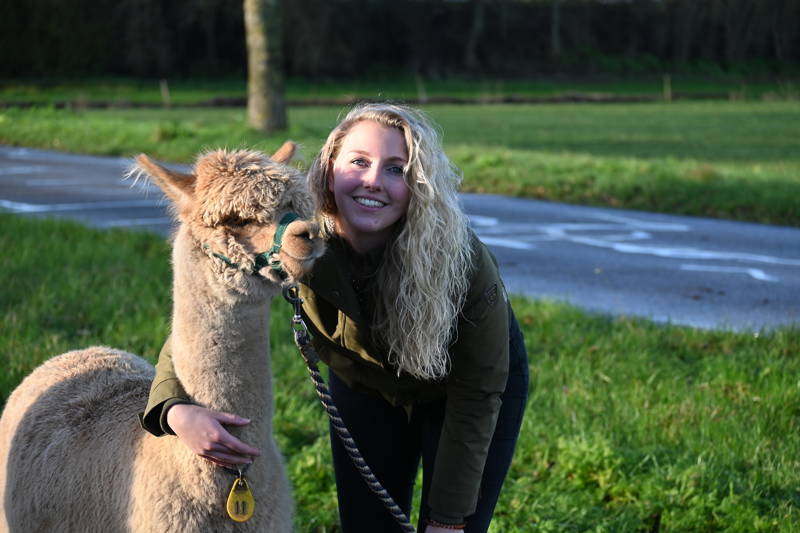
(270, 257)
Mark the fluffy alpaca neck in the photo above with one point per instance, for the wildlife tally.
(220, 340)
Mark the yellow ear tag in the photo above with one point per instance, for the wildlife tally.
(240, 504)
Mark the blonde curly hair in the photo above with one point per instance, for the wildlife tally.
(424, 274)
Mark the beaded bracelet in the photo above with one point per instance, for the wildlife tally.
(434, 523)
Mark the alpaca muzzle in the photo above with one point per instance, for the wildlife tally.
(270, 257)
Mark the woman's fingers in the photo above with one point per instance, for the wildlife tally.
(236, 446)
(229, 441)
(230, 418)
(232, 450)
(201, 430)
(223, 455)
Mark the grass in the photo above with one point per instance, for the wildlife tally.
(125, 91)
(735, 160)
(630, 427)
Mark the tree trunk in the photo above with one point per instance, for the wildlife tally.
(266, 103)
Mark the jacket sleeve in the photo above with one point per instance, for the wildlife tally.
(165, 392)
(476, 380)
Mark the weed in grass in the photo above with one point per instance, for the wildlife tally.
(169, 131)
(704, 173)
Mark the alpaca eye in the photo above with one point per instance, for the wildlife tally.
(237, 222)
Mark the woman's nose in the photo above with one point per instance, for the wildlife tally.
(372, 178)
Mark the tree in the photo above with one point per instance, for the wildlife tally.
(266, 102)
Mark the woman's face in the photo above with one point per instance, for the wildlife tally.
(368, 184)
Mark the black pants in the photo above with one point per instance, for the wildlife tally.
(392, 445)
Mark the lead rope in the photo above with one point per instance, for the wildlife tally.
(302, 340)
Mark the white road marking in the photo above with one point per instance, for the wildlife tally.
(682, 253)
(755, 273)
(643, 224)
(64, 182)
(22, 207)
(481, 221)
(49, 157)
(617, 233)
(135, 222)
(507, 243)
(482, 224)
(620, 242)
(18, 153)
(30, 169)
(632, 236)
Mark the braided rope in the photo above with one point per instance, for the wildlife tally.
(301, 339)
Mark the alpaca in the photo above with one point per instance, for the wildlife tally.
(72, 454)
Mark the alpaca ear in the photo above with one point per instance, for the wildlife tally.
(285, 153)
(177, 186)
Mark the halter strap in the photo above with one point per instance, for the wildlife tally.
(265, 258)
(271, 257)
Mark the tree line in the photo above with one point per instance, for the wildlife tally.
(431, 38)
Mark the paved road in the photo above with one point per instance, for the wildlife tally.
(693, 271)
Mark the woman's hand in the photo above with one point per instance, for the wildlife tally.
(202, 431)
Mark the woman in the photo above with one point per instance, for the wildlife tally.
(408, 311)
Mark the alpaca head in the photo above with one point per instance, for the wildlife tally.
(231, 205)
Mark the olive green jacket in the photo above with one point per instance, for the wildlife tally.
(340, 334)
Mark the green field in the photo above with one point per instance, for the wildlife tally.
(125, 91)
(727, 159)
(630, 426)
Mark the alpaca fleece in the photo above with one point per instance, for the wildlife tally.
(73, 456)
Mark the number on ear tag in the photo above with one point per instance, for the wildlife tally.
(240, 504)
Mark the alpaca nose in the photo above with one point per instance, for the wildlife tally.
(308, 243)
(305, 230)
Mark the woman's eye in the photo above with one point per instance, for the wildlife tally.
(395, 170)
(360, 162)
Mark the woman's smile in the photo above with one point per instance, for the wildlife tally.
(369, 202)
(368, 184)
